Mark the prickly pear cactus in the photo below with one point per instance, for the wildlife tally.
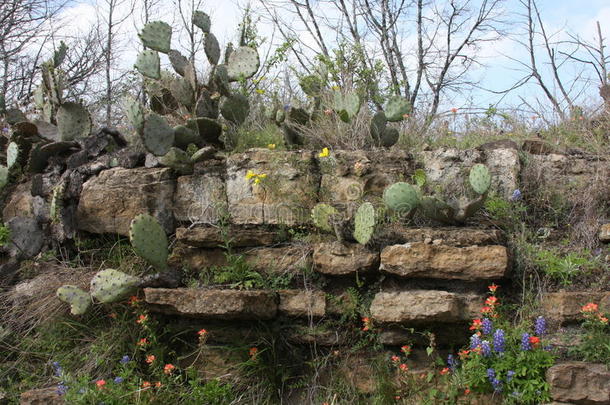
(480, 179)
(149, 64)
(178, 160)
(396, 108)
(389, 137)
(110, 285)
(236, 108)
(364, 223)
(437, 210)
(12, 154)
(346, 105)
(321, 214)
(378, 125)
(202, 20)
(179, 62)
(135, 113)
(79, 300)
(212, 48)
(149, 240)
(157, 135)
(182, 91)
(243, 63)
(73, 122)
(401, 197)
(419, 177)
(3, 176)
(157, 36)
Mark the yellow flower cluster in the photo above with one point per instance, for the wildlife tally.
(324, 153)
(250, 175)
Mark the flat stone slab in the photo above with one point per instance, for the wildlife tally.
(604, 233)
(200, 198)
(337, 259)
(213, 303)
(420, 306)
(423, 260)
(300, 303)
(211, 236)
(451, 236)
(111, 200)
(579, 383)
(565, 307)
(41, 396)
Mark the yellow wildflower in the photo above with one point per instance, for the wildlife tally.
(271, 146)
(260, 91)
(250, 174)
(262, 176)
(324, 153)
(257, 180)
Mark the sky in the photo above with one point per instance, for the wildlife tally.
(498, 72)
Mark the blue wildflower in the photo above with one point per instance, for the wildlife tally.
(487, 326)
(486, 348)
(125, 359)
(57, 370)
(516, 195)
(62, 388)
(118, 380)
(540, 326)
(491, 373)
(452, 362)
(475, 341)
(499, 341)
(525, 342)
(496, 384)
(510, 375)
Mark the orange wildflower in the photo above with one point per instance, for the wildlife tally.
(406, 349)
(253, 352)
(492, 287)
(590, 307)
(142, 342)
(395, 359)
(169, 368)
(142, 319)
(444, 371)
(476, 324)
(150, 359)
(100, 384)
(403, 367)
(158, 384)
(146, 384)
(534, 340)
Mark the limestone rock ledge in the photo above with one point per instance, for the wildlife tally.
(214, 304)
(422, 260)
(580, 383)
(565, 307)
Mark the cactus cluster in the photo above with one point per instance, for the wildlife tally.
(405, 198)
(328, 219)
(107, 286)
(184, 94)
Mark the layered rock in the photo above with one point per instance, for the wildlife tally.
(300, 303)
(111, 200)
(200, 199)
(604, 233)
(565, 307)
(580, 383)
(337, 259)
(213, 304)
(423, 260)
(211, 236)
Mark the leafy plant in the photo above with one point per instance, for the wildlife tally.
(595, 344)
(5, 235)
(563, 267)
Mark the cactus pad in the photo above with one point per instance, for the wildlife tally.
(12, 154)
(480, 179)
(135, 113)
(206, 107)
(110, 285)
(149, 64)
(419, 177)
(212, 48)
(209, 130)
(79, 300)
(364, 223)
(178, 160)
(437, 210)
(321, 214)
(179, 62)
(311, 85)
(14, 115)
(25, 128)
(389, 137)
(157, 135)
(149, 240)
(157, 36)
(346, 105)
(73, 122)
(396, 108)
(243, 63)
(56, 201)
(182, 91)
(184, 136)
(378, 125)
(47, 130)
(401, 197)
(202, 20)
(221, 79)
(235, 108)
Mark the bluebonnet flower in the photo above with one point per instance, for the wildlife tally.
(452, 362)
(510, 375)
(62, 388)
(82, 390)
(125, 359)
(499, 341)
(475, 341)
(286, 107)
(487, 326)
(118, 380)
(486, 348)
(496, 384)
(491, 373)
(540, 326)
(525, 342)
(516, 195)
(57, 370)
(5, 130)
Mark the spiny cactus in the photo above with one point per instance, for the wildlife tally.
(157, 135)
(346, 105)
(178, 160)
(401, 197)
(110, 285)
(73, 121)
(12, 154)
(56, 201)
(236, 108)
(149, 240)
(321, 214)
(79, 300)
(3, 176)
(201, 20)
(480, 179)
(149, 64)
(243, 63)
(364, 223)
(396, 107)
(157, 36)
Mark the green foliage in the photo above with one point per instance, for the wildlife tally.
(594, 345)
(562, 267)
(238, 273)
(267, 137)
(5, 235)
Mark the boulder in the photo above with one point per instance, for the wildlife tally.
(200, 198)
(41, 396)
(337, 259)
(452, 236)
(111, 200)
(604, 233)
(422, 260)
(213, 303)
(580, 383)
(299, 303)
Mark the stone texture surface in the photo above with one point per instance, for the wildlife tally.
(419, 306)
(604, 233)
(286, 195)
(336, 259)
(305, 335)
(452, 236)
(41, 396)
(215, 362)
(449, 167)
(109, 201)
(299, 303)
(580, 383)
(26, 237)
(422, 260)
(213, 304)
(200, 198)
(537, 147)
(210, 236)
(564, 307)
